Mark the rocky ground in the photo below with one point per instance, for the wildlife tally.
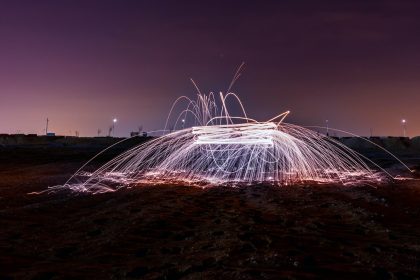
(178, 232)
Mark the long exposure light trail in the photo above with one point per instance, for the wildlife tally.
(219, 148)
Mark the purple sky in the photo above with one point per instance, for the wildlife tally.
(80, 63)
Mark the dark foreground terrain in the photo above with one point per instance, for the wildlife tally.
(174, 232)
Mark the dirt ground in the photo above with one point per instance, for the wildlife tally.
(178, 232)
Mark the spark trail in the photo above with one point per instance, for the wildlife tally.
(221, 149)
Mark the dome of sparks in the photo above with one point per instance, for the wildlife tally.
(221, 149)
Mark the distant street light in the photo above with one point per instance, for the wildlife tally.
(404, 127)
(183, 123)
(114, 121)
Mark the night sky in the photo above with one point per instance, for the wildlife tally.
(81, 63)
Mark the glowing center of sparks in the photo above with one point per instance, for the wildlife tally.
(242, 134)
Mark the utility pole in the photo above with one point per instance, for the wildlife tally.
(328, 128)
(114, 121)
(46, 127)
(404, 127)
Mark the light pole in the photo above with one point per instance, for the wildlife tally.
(404, 127)
(114, 121)
(183, 123)
(328, 128)
(46, 127)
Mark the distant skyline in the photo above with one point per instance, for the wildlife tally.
(84, 63)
